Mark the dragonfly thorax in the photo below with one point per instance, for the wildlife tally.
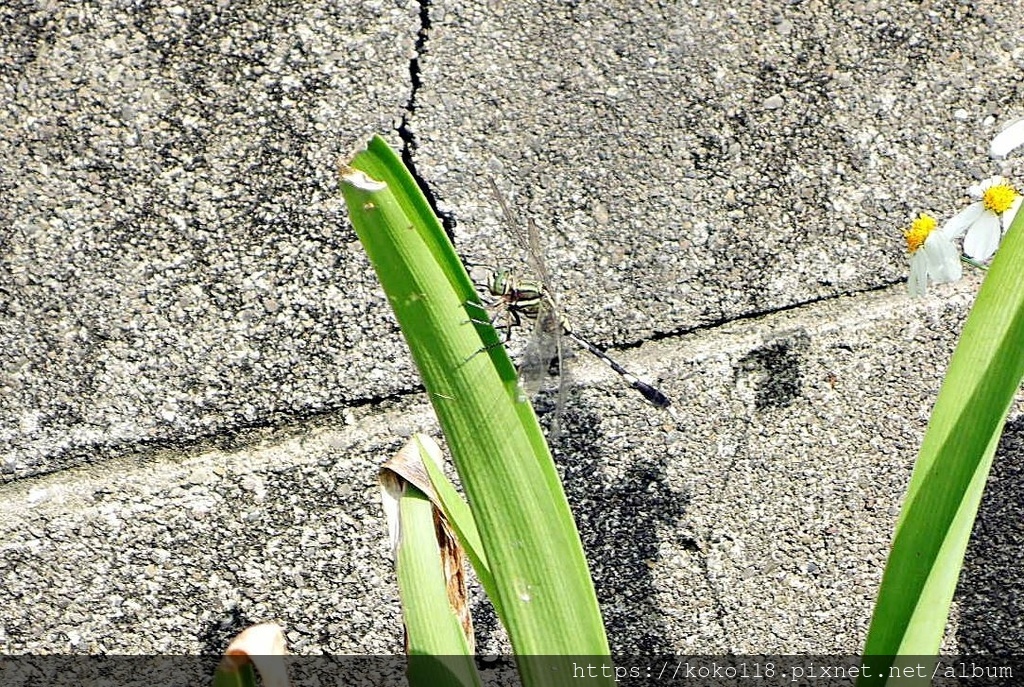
(522, 295)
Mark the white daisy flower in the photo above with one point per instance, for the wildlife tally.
(986, 220)
(933, 256)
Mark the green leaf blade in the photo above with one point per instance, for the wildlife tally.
(948, 481)
(545, 595)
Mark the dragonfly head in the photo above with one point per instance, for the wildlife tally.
(500, 283)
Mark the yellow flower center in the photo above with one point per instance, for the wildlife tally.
(999, 198)
(919, 230)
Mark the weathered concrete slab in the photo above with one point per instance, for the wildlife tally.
(692, 163)
(200, 376)
(756, 523)
(174, 263)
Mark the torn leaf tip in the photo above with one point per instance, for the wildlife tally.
(360, 179)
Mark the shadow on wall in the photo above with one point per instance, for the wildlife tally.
(990, 595)
(622, 521)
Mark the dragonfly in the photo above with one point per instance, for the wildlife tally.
(533, 299)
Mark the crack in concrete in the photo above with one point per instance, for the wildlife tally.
(405, 131)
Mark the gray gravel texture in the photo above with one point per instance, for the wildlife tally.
(200, 375)
(175, 261)
(758, 523)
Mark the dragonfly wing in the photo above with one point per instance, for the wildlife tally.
(545, 351)
(543, 370)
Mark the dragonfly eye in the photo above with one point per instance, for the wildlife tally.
(498, 283)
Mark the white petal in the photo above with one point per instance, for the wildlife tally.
(943, 260)
(983, 237)
(917, 282)
(978, 190)
(1008, 140)
(962, 220)
(1008, 216)
(937, 261)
